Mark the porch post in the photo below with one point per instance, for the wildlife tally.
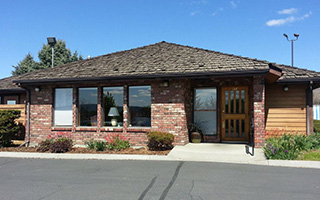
(259, 110)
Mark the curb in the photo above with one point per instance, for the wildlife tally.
(277, 163)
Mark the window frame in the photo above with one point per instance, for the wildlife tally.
(78, 122)
(128, 106)
(54, 105)
(102, 105)
(213, 110)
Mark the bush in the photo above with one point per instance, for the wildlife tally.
(60, 145)
(117, 142)
(97, 145)
(288, 147)
(91, 144)
(160, 141)
(8, 126)
(45, 145)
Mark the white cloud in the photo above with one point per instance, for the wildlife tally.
(291, 19)
(288, 11)
(194, 13)
(233, 4)
(198, 2)
(217, 11)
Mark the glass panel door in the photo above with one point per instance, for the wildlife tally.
(235, 114)
(205, 110)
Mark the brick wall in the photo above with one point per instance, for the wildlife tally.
(168, 110)
(40, 114)
(171, 111)
(259, 110)
(168, 114)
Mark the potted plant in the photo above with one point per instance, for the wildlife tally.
(195, 133)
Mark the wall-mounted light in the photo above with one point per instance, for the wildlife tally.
(37, 89)
(285, 88)
(165, 83)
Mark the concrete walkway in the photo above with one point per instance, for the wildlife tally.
(225, 153)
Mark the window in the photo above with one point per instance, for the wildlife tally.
(11, 102)
(140, 106)
(87, 106)
(63, 107)
(205, 110)
(112, 104)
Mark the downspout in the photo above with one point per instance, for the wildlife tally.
(27, 143)
(28, 116)
(309, 100)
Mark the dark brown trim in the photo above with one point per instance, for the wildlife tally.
(150, 76)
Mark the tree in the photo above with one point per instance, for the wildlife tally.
(26, 65)
(62, 55)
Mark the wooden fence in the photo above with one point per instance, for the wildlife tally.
(20, 107)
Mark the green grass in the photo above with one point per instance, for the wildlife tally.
(310, 155)
(316, 125)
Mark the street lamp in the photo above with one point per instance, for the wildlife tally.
(292, 40)
(52, 41)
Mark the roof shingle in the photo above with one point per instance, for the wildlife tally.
(163, 59)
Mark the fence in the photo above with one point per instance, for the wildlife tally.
(316, 112)
(20, 107)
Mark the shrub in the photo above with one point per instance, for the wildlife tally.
(8, 126)
(45, 145)
(288, 147)
(160, 141)
(91, 144)
(97, 145)
(117, 142)
(61, 145)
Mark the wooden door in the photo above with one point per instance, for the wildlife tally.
(235, 114)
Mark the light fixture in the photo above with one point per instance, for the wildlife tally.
(292, 40)
(113, 112)
(285, 88)
(52, 41)
(165, 83)
(37, 89)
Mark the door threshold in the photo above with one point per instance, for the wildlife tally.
(234, 142)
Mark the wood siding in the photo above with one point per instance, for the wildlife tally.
(286, 110)
(20, 107)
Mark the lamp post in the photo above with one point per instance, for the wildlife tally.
(292, 40)
(52, 41)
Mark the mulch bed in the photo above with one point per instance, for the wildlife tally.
(142, 151)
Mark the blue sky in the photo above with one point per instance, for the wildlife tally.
(249, 28)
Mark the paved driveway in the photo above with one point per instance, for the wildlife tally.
(97, 179)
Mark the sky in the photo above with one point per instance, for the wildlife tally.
(250, 28)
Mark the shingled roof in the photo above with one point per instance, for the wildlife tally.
(6, 85)
(162, 59)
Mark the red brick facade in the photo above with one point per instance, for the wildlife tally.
(171, 111)
(259, 111)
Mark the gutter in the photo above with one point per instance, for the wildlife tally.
(149, 76)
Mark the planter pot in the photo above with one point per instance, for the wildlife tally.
(195, 137)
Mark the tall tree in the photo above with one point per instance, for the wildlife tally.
(62, 55)
(26, 65)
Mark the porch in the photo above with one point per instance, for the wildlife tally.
(217, 152)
